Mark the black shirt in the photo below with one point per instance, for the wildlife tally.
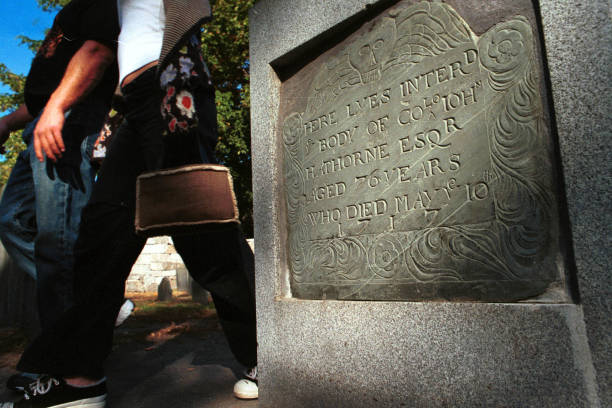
(77, 22)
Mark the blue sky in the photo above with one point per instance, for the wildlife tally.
(20, 17)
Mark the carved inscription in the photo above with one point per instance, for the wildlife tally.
(413, 169)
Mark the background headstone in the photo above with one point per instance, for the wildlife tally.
(182, 279)
(164, 290)
(548, 353)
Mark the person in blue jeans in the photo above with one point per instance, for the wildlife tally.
(170, 120)
(40, 215)
(67, 95)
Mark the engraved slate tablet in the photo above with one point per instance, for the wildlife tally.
(417, 164)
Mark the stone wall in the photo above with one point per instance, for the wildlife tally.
(157, 260)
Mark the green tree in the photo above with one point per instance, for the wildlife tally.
(225, 46)
(226, 50)
(9, 101)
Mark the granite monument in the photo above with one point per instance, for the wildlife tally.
(431, 202)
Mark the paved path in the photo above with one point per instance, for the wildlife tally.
(192, 370)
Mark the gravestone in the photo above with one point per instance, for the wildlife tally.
(424, 240)
(418, 164)
(164, 290)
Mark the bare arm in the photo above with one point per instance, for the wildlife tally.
(84, 71)
(13, 121)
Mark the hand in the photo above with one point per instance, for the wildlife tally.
(67, 167)
(48, 134)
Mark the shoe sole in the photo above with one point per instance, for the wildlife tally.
(246, 395)
(95, 402)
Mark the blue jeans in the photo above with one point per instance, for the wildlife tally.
(40, 216)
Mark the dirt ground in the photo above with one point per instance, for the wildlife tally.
(167, 354)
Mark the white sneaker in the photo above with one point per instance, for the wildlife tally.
(247, 388)
(126, 310)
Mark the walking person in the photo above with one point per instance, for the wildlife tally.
(67, 94)
(170, 120)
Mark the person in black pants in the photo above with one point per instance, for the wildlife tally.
(170, 120)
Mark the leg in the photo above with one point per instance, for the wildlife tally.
(222, 262)
(17, 210)
(106, 249)
(104, 253)
(58, 215)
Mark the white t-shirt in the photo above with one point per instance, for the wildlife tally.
(142, 32)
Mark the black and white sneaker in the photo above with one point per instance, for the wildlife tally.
(247, 387)
(49, 392)
(18, 382)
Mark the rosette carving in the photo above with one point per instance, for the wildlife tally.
(292, 130)
(385, 256)
(505, 51)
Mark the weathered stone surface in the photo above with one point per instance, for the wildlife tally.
(418, 163)
(164, 290)
(316, 353)
(578, 38)
(183, 279)
(424, 355)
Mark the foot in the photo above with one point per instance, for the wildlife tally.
(48, 392)
(247, 388)
(18, 382)
(126, 309)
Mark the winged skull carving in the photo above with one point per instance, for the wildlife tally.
(426, 30)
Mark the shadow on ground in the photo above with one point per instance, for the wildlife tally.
(161, 358)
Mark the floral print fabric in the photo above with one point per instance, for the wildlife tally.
(184, 72)
(111, 124)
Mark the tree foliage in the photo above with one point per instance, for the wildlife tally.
(225, 46)
(9, 101)
(51, 5)
(226, 50)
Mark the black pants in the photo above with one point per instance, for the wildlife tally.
(107, 247)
